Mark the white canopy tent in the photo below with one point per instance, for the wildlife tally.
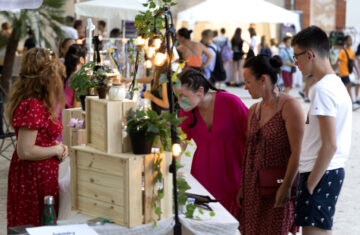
(6, 5)
(114, 11)
(235, 11)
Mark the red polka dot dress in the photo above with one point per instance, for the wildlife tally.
(30, 181)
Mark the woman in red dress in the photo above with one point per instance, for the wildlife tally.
(34, 166)
(275, 131)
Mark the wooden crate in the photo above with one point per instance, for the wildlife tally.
(78, 137)
(118, 186)
(104, 120)
(67, 115)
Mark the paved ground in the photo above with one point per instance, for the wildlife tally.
(347, 215)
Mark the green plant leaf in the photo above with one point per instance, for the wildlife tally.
(197, 218)
(182, 185)
(154, 223)
(188, 154)
(158, 211)
(212, 213)
(182, 198)
(190, 209)
(201, 211)
(178, 165)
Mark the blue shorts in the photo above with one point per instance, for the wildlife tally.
(345, 79)
(318, 209)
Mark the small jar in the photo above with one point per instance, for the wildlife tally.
(49, 215)
(117, 92)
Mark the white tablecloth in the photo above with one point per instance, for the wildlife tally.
(222, 223)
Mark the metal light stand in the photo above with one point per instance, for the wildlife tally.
(169, 42)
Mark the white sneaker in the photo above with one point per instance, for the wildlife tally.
(355, 106)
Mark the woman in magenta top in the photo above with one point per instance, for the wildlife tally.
(217, 122)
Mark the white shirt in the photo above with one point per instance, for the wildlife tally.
(329, 97)
(70, 32)
(254, 43)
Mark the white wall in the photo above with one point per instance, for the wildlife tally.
(352, 13)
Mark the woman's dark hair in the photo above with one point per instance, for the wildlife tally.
(194, 79)
(184, 32)
(252, 32)
(62, 44)
(264, 64)
(77, 23)
(72, 58)
(236, 39)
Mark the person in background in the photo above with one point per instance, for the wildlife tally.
(32, 109)
(216, 121)
(327, 137)
(238, 59)
(206, 39)
(264, 47)
(275, 131)
(74, 59)
(102, 28)
(192, 51)
(224, 46)
(286, 55)
(4, 35)
(344, 65)
(64, 47)
(68, 29)
(29, 42)
(274, 46)
(254, 42)
(78, 26)
(357, 83)
(215, 34)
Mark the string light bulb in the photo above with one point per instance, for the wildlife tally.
(139, 41)
(157, 43)
(176, 150)
(150, 52)
(160, 59)
(148, 64)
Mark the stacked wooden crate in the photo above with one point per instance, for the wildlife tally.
(106, 179)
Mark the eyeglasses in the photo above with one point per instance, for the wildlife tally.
(299, 54)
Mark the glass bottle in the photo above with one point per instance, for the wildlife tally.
(49, 215)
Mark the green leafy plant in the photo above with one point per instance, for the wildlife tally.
(150, 123)
(86, 78)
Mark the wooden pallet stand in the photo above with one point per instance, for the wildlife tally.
(118, 187)
(104, 120)
(67, 132)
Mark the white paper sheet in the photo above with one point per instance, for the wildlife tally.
(75, 229)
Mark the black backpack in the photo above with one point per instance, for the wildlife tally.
(219, 73)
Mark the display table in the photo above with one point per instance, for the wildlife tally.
(222, 223)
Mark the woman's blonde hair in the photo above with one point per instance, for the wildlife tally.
(40, 77)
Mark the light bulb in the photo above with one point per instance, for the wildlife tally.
(157, 43)
(151, 52)
(140, 41)
(148, 64)
(176, 150)
(160, 59)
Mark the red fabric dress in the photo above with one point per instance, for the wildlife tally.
(270, 142)
(30, 181)
(218, 157)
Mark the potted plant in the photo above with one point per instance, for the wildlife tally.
(89, 76)
(146, 127)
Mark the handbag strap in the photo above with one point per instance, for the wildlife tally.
(258, 117)
(288, 54)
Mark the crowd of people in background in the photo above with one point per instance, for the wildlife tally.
(234, 143)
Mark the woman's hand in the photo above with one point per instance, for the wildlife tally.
(239, 197)
(283, 196)
(61, 152)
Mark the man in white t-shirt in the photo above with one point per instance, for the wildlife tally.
(69, 31)
(327, 137)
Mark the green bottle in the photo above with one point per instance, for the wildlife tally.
(48, 216)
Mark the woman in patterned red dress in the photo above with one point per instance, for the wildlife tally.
(34, 166)
(275, 131)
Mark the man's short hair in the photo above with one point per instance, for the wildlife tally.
(102, 23)
(222, 30)
(346, 38)
(115, 33)
(285, 39)
(313, 38)
(69, 20)
(207, 33)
